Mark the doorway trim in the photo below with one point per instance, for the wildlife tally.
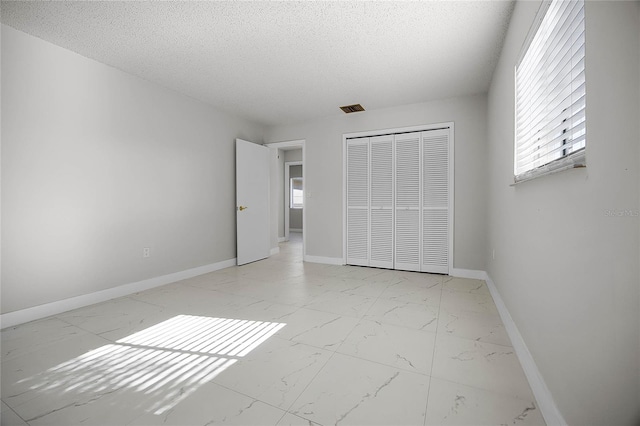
(294, 144)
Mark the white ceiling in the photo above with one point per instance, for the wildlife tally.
(284, 62)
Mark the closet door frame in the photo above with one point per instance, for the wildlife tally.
(451, 174)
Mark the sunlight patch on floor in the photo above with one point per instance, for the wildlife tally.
(163, 364)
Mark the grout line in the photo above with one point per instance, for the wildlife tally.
(433, 354)
(308, 384)
(250, 397)
(333, 352)
(14, 412)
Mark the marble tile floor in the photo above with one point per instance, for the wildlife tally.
(275, 342)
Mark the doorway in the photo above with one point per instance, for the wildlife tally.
(294, 195)
(288, 196)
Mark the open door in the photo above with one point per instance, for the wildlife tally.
(252, 202)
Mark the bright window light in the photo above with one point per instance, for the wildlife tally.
(551, 93)
(161, 365)
(296, 193)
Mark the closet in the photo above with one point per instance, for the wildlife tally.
(398, 202)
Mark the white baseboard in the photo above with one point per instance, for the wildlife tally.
(282, 239)
(295, 230)
(547, 405)
(326, 260)
(22, 316)
(274, 250)
(468, 273)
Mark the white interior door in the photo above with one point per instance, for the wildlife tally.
(435, 202)
(407, 201)
(252, 202)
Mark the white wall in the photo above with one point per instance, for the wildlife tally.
(293, 155)
(568, 272)
(96, 165)
(323, 170)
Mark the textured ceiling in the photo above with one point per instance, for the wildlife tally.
(284, 62)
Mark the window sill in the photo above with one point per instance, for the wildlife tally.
(574, 161)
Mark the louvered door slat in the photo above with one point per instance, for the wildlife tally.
(381, 211)
(358, 202)
(382, 171)
(407, 247)
(435, 246)
(358, 174)
(382, 238)
(407, 201)
(435, 202)
(358, 236)
(407, 150)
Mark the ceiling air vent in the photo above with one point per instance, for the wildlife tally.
(352, 108)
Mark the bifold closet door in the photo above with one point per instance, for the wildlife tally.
(435, 201)
(381, 202)
(358, 202)
(398, 201)
(407, 151)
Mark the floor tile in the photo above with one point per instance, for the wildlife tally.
(366, 287)
(479, 364)
(296, 291)
(36, 336)
(341, 303)
(276, 372)
(293, 420)
(420, 277)
(456, 404)
(353, 391)
(210, 281)
(8, 417)
(395, 346)
(213, 404)
(195, 301)
(320, 329)
(413, 315)
(117, 318)
(465, 285)
(427, 292)
(484, 327)
(265, 310)
(458, 301)
(26, 377)
(359, 273)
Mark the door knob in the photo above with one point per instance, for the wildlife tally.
(242, 208)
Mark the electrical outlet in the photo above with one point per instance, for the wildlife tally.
(146, 252)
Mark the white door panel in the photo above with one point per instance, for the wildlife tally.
(358, 202)
(407, 197)
(435, 202)
(252, 201)
(381, 206)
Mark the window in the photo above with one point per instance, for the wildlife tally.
(550, 93)
(296, 199)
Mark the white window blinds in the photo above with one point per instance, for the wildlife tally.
(550, 93)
